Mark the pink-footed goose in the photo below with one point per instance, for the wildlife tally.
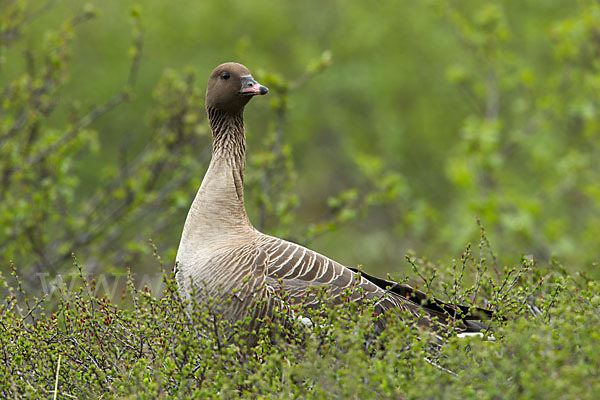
(232, 262)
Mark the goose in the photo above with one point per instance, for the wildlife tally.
(222, 256)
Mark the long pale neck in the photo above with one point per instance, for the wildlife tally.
(217, 216)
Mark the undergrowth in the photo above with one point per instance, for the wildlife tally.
(76, 343)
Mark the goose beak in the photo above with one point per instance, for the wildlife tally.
(252, 88)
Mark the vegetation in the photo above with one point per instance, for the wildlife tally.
(150, 347)
(402, 127)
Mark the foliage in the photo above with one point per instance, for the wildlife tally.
(393, 123)
(43, 215)
(77, 342)
(396, 146)
(525, 159)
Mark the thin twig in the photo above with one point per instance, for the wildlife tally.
(489, 247)
(57, 375)
(440, 367)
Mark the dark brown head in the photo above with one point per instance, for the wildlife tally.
(230, 88)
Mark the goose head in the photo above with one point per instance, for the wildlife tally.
(230, 87)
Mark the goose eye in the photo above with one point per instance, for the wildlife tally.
(225, 75)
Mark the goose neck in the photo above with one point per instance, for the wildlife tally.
(229, 137)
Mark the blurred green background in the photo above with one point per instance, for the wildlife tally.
(390, 127)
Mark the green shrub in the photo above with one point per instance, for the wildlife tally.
(156, 346)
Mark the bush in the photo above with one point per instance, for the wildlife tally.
(82, 344)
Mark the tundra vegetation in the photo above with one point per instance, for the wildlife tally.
(394, 135)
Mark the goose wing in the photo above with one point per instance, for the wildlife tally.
(298, 271)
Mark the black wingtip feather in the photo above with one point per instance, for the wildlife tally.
(471, 317)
